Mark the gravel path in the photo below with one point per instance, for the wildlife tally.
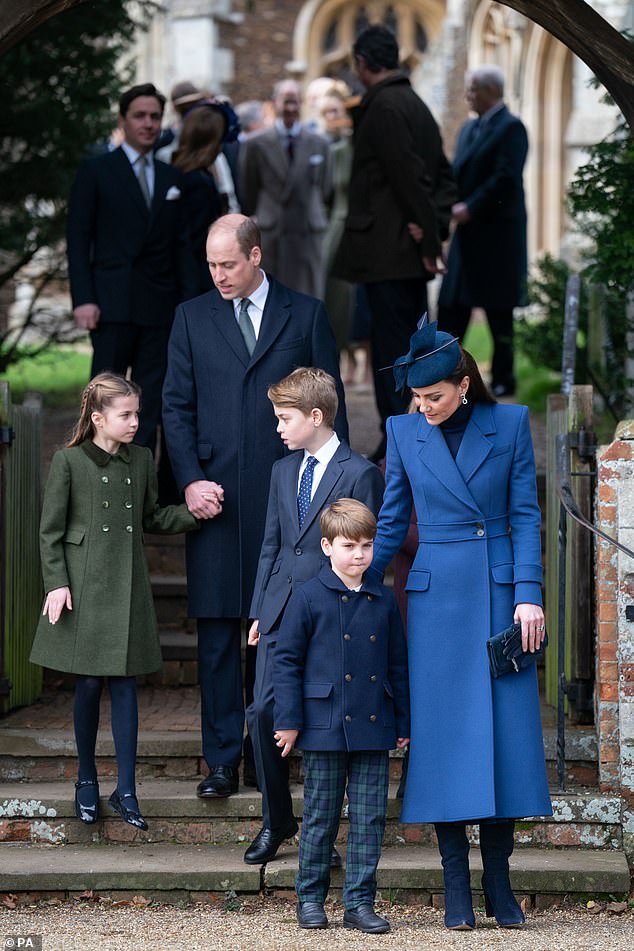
(269, 925)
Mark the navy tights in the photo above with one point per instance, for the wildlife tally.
(125, 721)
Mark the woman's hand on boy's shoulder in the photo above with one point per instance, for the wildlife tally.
(56, 600)
(286, 739)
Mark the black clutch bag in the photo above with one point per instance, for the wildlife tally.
(505, 652)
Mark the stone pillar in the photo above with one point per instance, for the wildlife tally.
(615, 625)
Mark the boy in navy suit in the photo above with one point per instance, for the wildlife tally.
(321, 470)
(341, 694)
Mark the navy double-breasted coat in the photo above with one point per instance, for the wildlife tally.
(220, 425)
(340, 667)
(476, 743)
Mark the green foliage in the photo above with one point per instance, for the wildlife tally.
(58, 373)
(601, 198)
(64, 79)
(539, 333)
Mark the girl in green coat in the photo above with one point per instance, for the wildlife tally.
(98, 618)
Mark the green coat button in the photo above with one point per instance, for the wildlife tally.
(105, 504)
(105, 528)
(128, 505)
(128, 480)
(104, 479)
(128, 528)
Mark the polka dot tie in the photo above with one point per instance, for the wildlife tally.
(305, 487)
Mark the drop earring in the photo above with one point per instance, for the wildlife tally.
(464, 399)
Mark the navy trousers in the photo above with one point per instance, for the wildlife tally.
(270, 766)
(220, 678)
(325, 777)
(396, 308)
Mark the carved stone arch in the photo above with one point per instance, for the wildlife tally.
(326, 29)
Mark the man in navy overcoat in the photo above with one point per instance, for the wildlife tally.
(221, 434)
(487, 257)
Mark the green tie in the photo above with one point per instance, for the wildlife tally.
(246, 326)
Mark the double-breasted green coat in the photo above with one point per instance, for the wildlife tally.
(96, 508)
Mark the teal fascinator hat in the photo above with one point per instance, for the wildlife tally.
(433, 355)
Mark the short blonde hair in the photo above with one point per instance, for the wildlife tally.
(347, 518)
(305, 389)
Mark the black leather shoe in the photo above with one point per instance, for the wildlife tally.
(126, 805)
(310, 914)
(335, 858)
(221, 782)
(266, 843)
(88, 809)
(365, 919)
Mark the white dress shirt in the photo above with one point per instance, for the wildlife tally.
(133, 158)
(323, 457)
(256, 307)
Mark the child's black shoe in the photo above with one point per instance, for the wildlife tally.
(87, 800)
(126, 805)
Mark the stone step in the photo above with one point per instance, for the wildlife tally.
(44, 812)
(165, 554)
(33, 753)
(170, 601)
(172, 872)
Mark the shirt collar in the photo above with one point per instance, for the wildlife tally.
(294, 130)
(259, 295)
(100, 456)
(333, 581)
(133, 155)
(325, 453)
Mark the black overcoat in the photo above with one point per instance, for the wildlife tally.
(487, 257)
(220, 425)
(399, 174)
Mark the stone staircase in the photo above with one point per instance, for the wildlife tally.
(196, 846)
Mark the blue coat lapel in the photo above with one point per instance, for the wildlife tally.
(476, 445)
(434, 453)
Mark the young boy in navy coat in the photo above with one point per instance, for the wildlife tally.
(341, 695)
(321, 470)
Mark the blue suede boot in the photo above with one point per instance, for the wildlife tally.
(454, 852)
(496, 846)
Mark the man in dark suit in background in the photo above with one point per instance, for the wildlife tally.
(487, 257)
(129, 258)
(284, 178)
(399, 201)
(226, 348)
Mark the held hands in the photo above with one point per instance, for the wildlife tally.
(254, 634)
(87, 316)
(402, 742)
(204, 499)
(56, 601)
(285, 739)
(531, 617)
(460, 212)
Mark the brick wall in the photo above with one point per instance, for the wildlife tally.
(615, 632)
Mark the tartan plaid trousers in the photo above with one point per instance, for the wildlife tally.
(325, 776)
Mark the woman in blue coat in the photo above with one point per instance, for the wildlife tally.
(466, 464)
